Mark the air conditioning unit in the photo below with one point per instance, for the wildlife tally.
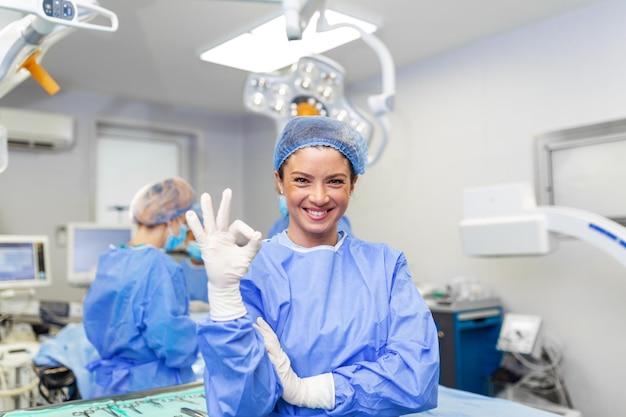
(35, 130)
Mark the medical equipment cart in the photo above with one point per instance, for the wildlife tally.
(468, 332)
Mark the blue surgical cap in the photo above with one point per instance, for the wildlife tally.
(303, 131)
(161, 201)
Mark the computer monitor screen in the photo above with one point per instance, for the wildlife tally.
(85, 243)
(24, 262)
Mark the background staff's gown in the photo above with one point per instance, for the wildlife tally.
(196, 279)
(351, 309)
(136, 314)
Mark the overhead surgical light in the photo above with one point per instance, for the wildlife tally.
(24, 41)
(311, 87)
(314, 85)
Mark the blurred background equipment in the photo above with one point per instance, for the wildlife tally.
(468, 317)
(85, 243)
(531, 372)
(492, 214)
(38, 25)
(29, 130)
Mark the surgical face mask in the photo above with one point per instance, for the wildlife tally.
(193, 250)
(282, 206)
(172, 241)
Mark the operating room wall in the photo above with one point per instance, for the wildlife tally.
(42, 191)
(261, 197)
(468, 118)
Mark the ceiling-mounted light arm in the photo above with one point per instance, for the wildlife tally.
(380, 104)
(66, 12)
(298, 13)
(23, 42)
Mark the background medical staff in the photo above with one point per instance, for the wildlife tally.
(312, 321)
(193, 269)
(136, 312)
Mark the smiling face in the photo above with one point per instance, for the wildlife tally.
(317, 183)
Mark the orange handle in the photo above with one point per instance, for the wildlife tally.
(305, 109)
(40, 74)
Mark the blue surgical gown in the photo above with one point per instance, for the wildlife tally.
(195, 276)
(351, 309)
(136, 314)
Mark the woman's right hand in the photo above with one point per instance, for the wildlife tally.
(225, 261)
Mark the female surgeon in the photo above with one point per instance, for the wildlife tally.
(312, 321)
(136, 312)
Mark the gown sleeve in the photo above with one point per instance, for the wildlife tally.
(405, 376)
(239, 378)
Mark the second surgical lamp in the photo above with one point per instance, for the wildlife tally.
(24, 41)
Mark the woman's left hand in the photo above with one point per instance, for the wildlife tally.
(312, 392)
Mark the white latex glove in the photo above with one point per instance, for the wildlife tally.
(225, 261)
(312, 392)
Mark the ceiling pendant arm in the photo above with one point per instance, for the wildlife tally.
(380, 104)
(298, 13)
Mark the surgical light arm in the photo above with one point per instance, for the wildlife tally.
(65, 12)
(298, 13)
(504, 220)
(380, 104)
(24, 41)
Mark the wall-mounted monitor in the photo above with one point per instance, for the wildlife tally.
(24, 262)
(85, 243)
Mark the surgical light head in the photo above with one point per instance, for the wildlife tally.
(311, 87)
(304, 131)
(161, 201)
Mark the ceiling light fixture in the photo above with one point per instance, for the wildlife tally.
(266, 48)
